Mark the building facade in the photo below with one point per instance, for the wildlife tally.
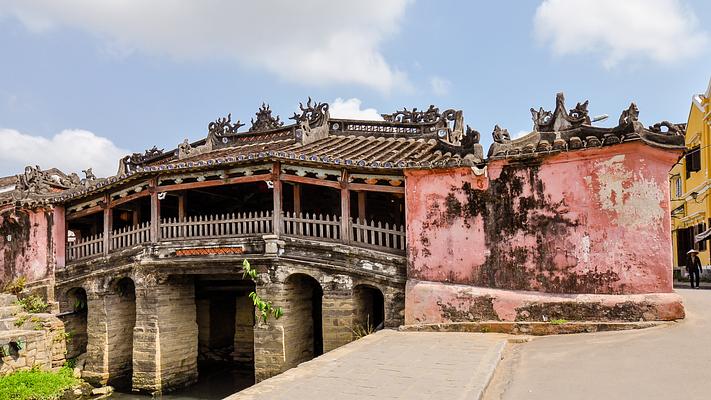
(349, 224)
(690, 182)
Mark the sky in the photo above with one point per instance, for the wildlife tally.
(84, 82)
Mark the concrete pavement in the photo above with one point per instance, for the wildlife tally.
(391, 365)
(669, 362)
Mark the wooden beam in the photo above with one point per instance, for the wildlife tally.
(85, 212)
(128, 198)
(376, 188)
(221, 182)
(155, 211)
(361, 206)
(345, 208)
(108, 223)
(297, 199)
(310, 181)
(276, 222)
(182, 197)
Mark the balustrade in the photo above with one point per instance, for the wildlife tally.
(85, 247)
(217, 226)
(130, 236)
(312, 226)
(378, 235)
(364, 233)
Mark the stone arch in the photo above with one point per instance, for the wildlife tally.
(368, 307)
(303, 326)
(73, 307)
(120, 304)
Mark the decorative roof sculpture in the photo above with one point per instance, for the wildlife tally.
(265, 121)
(563, 130)
(405, 139)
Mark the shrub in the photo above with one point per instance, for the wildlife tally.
(15, 286)
(33, 304)
(36, 384)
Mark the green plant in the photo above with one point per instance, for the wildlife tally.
(63, 337)
(33, 304)
(361, 331)
(37, 323)
(21, 319)
(36, 384)
(560, 321)
(264, 309)
(16, 286)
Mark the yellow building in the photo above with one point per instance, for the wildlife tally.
(690, 182)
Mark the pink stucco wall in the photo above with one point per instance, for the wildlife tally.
(26, 244)
(592, 221)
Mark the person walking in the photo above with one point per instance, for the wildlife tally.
(693, 267)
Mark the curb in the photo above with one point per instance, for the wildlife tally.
(532, 328)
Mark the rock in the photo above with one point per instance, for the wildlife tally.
(77, 392)
(102, 390)
(76, 372)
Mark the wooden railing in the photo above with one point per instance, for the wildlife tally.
(377, 235)
(371, 234)
(217, 226)
(312, 226)
(85, 247)
(130, 236)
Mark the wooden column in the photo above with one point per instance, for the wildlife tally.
(361, 205)
(181, 205)
(276, 171)
(345, 208)
(136, 214)
(297, 198)
(108, 223)
(155, 211)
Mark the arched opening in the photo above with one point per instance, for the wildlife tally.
(121, 306)
(303, 325)
(74, 309)
(225, 319)
(369, 305)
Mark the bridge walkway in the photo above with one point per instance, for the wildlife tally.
(391, 365)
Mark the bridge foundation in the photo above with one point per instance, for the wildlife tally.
(166, 334)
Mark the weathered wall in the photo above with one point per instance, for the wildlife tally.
(244, 332)
(44, 343)
(594, 221)
(29, 252)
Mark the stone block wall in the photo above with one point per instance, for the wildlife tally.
(166, 335)
(244, 331)
(43, 344)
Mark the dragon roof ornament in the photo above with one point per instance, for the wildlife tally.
(130, 162)
(312, 122)
(560, 119)
(563, 130)
(265, 121)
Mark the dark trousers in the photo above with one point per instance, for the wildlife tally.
(694, 274)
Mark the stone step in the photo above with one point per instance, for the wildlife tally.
(8, 324)
(9, 311)
(7, 299)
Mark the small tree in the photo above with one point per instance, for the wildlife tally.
(264, 309)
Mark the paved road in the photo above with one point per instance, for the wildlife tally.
(391, 365)
(672, 362)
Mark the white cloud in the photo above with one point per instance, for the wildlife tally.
(440, 86)
(350, 109)
(309, 41)
(664, 31)
(71, 150)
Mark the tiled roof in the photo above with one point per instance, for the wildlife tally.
(405, 139)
